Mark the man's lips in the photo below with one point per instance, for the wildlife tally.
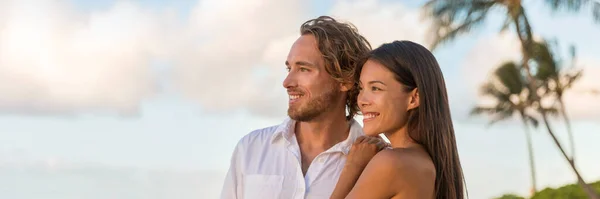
(294, 96)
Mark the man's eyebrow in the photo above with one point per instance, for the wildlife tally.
(301, 63)
(304, 63)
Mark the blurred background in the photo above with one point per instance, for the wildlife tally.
(146, 99)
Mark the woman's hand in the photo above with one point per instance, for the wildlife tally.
(363, 150)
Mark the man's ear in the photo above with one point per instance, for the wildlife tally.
(346, 86)
(413, 101)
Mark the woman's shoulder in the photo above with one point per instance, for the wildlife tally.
(406, 158)
(399, 173)
(406, 162)
(410, 172)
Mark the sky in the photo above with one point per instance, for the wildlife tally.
(169, 87)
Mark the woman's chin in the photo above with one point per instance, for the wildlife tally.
(369, 132)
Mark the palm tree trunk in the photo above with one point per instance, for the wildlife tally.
(525, 36)
(531, 159)
(586, 187)
(563, 110)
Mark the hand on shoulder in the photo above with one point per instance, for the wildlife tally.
(363, 150)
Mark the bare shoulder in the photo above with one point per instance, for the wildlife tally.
(397, 173)
(410, 171)
(407, 160)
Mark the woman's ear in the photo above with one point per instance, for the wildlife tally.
(413, 101)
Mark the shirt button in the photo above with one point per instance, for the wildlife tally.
(321, 160)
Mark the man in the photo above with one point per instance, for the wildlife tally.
(303, 156)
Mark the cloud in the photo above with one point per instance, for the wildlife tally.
(226, 56)
(56, 60)
(488, 54)
(226, 53)
(582, 99)
(384, 21)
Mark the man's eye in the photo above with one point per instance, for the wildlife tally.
(303, 69)
(373, 88)
(288, 69)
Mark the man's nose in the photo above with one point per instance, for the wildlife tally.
(290, 81)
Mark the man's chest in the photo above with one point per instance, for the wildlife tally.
(279, 174)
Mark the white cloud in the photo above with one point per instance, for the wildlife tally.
(53, 59)
(475, 68)
(383, 21)
(488, 54)
(582, 100)
(229, 45)
(228, 55)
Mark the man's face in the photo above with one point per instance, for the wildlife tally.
(312, 91)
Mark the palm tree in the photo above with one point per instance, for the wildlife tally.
(576, 6)
(510, 95)
(555, 81)
(457, 17)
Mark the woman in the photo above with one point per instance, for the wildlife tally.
(402, 94)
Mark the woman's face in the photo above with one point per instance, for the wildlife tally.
(383, 101)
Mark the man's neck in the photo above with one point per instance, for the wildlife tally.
(323, 133)
(316, 136)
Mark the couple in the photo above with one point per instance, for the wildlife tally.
(320, 151)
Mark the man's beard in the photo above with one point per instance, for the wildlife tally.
(316, 106)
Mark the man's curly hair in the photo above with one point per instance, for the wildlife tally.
(343, 49)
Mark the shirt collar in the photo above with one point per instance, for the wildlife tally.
(286, 131)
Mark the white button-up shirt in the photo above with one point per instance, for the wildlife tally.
(266, 164)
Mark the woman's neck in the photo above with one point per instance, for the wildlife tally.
(400, 138)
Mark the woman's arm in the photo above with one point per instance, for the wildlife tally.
(348, 178)
(362, 151)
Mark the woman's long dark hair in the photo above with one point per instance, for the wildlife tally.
(430, 124)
